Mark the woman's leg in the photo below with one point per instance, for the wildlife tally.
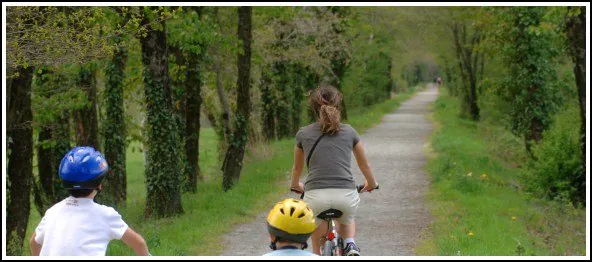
(346, 231)
(316, 236)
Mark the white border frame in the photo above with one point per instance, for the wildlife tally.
(587, 4)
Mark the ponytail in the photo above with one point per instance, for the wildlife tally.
(329, 118)
(325, 101)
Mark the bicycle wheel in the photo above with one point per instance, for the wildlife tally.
(327, 248)
(339, 249)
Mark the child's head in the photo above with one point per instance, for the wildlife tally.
(82, 170)
(290, 221)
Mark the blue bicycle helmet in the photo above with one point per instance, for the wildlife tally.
(83, 168)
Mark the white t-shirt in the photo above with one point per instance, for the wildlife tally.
(78, 227)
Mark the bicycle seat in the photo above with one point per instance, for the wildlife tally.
(330, 214)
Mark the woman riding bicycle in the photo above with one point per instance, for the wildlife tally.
(330, 183)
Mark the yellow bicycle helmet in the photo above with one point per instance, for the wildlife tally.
(292, 220)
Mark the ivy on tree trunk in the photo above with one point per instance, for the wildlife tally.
(163, 176)
(114, 129)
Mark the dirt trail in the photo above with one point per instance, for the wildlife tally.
(389, 220)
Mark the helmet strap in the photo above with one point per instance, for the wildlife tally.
(98, 192)
(273, 245)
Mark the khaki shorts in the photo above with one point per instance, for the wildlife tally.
(344, 200)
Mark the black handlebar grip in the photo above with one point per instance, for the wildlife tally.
(296, 191)
(360, 187)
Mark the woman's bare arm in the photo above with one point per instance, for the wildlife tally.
(297, 169)
(362, 161)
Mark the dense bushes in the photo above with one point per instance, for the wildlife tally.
(556, 171)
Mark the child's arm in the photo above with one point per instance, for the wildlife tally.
(135, 242)
(35, 247)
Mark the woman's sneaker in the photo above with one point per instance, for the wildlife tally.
(351, 250)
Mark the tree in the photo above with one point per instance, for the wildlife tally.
(114, 127)
(526, 47)
(576, 34)
(234, 156)
(163, 177)
(86, 118)
(469, 60)
(39, 37)
(268, 103)
(339, 58)
(53, 122)
(195, 59)
(20, 166)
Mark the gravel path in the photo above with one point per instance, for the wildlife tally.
(389, 220)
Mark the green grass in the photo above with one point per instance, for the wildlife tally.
(489, 216)
(210, 213)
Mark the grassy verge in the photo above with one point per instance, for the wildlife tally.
(477, 202)
(210, 213)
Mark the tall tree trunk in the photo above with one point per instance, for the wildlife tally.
(87, 120)
(339, 66)
(20, 167)
(472, 99)
(576, 32)
(234, 156)
(114, 129)
(224, 129)
(179, 95)
(267, 102)
(43, 189)
(467, 63)
(223, 101)
(298, 83)
(48, 190)
(62, 137)
(389, 87)
(193, 86)
(193, 90)
(283, 102)
(163, 177)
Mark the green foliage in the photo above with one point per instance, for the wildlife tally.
(474, 194)
(525, 39)
(54, 35)
(192, 29)
(53, 93)
(556, 171)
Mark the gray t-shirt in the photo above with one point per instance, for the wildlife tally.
(330, 163)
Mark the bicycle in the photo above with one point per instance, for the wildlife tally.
(332, 242)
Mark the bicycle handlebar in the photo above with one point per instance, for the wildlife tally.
(358, 187)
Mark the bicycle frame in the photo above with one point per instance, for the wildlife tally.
(332, 240)
(336, 243)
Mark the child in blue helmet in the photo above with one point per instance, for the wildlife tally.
(77, 226)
